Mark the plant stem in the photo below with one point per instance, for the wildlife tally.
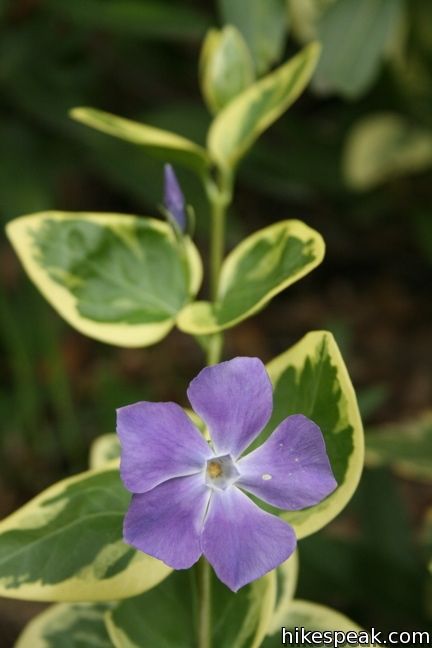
(204, 590)
(214, 348)
(219, 197)
(216, 246)
(203, 568)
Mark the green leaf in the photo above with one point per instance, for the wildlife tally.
(304, 16)
(238, 620)
(263, 24)
(311, 616)
(133, 17)
(163, 144)
(104, 449)
(116, 278)
(244, 119)
(259, 268)
(384, 146)
(66, 545)
(354, 36)
(404, 447)
(287, 576)
(226, 67)
(79, 625)
(311, 379)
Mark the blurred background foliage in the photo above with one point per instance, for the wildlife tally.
(352, 158)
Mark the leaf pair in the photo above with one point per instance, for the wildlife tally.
(127, 280)
(234, 130)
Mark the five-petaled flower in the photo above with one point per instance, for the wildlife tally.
(189, 495)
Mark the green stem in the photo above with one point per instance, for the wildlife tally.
(204, 592)
(219, 197)
(216, 246)
(203, 568)
(214, 348)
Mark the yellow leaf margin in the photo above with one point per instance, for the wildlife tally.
(200, 317)
(123, 335)
(141, 574)
(164, 142)
(53, 618)
(242, 121)
(312, 519)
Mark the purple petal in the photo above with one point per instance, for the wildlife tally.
(158, 442)
(241, 541)
(234, 399)
(166, 522)
(291, 469)
(174, 201)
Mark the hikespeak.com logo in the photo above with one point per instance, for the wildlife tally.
(338, 638)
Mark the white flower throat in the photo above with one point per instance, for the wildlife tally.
(221, 472)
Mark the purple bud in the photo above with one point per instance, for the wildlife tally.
(174, 201)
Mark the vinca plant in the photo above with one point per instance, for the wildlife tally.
(183, 532)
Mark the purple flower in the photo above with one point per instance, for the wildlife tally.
(174, 201)
(189, 495)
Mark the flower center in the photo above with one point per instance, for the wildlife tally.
(221, 472)
(214, 469)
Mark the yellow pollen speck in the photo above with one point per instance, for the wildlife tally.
(214, 469)
(266, 477)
